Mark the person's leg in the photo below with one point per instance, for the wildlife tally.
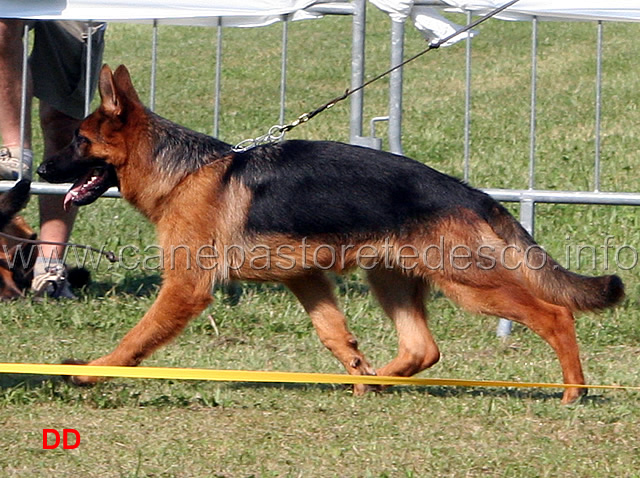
(55, 223)
(58, 66)
(10, 99)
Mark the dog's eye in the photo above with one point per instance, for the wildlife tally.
(82, 144)
(82, 140)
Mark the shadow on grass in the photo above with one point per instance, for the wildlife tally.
(29, 388)
(25, 380)
(139, 285)
(433, 391)
(518, 393)
(147, 285)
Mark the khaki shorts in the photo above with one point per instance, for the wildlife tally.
(58, 63)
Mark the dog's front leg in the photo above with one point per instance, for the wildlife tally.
(177, 303)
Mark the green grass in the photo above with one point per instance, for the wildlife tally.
(135, 428)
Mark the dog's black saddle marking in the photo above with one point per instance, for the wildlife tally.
(308, 188)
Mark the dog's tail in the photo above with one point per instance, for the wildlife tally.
(549, 280)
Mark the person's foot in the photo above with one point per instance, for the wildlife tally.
(52, 283)
(11, 166)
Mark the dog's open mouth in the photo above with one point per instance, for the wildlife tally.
(91, 186)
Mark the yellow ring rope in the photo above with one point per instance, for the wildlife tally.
(278, 377)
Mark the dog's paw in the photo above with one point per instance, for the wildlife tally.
(574, 396)
(78, 380)
(360, 389)
(74, 362)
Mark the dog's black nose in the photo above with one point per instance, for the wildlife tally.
(42, 170)
(46, 170)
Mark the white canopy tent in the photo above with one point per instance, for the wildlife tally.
(249, 13)
(264, 12)
(426, 16)
(580, 10)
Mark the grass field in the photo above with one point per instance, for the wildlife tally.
(136, 428)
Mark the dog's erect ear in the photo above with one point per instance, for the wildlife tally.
(123, 83)
(116, 90)
(108, 93)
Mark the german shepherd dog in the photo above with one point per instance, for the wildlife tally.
(290, 211)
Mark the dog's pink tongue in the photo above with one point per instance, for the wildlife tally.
(72, 194)
(75, 190)
(68, 198)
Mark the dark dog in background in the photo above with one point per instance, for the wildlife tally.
(15, 272)
(18, 249)
(290, 211)
(17, 259)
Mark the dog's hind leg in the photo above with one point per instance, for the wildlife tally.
(315, 293)
(554, 323)
(178, 302)
(402, 299)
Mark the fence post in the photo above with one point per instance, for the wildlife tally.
(467, 105)
(23, 95)
(154, 65)
(357, 68)
(283, 68)
(87, 79)
(217, 81)
(598, 106)
(395, 87)
(528, 206)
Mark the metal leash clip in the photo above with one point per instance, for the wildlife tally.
(275, 134)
